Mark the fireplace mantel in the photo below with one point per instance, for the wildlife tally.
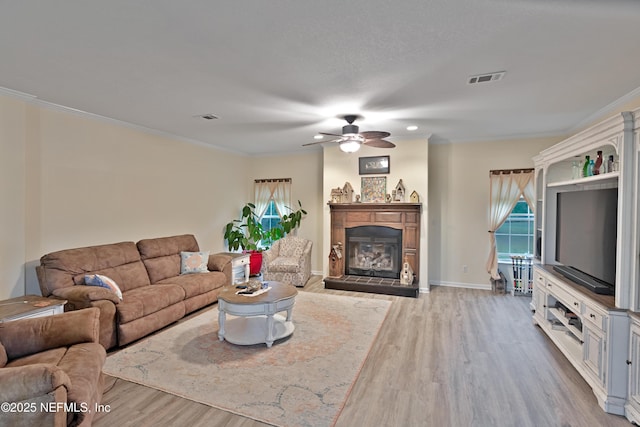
(401, 216)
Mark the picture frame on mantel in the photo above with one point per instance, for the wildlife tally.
(374, 189)
(375, 165)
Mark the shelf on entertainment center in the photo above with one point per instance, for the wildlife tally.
(570, 346)
(586, 180)
(558, 314)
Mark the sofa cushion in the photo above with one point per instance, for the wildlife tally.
(161, 256)
(53, 357)
(194, 262)
(103, 282)
(141, 302)
(119, 261)
(197, 284)
(284, 264)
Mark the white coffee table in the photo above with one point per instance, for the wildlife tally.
(257, 320)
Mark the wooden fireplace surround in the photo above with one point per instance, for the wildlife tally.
(402, 216)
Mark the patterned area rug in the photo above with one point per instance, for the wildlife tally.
(303, 380)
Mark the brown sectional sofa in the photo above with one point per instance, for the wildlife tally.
(154, 292)
(51, 361)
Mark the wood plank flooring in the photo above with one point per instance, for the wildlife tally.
(453, 357)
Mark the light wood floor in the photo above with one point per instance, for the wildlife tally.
(453, 357)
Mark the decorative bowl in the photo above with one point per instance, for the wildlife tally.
(254, 284)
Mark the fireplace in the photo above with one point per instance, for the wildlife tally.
(369, 244)
(373, 250)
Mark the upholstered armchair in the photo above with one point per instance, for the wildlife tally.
(288, 260)
(51, 369)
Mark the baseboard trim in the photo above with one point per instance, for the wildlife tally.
(486, 287)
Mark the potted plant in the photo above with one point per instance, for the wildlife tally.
(246, 233)
(289, 223)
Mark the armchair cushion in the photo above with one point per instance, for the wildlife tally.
(32, 380)
(29, 336)
(284, 264)
(288, 260)
(53, 359)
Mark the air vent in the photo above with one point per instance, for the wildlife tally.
(484, 78)
(208, 117)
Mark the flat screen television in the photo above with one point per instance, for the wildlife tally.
(586, 229)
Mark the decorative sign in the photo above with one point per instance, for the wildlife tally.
(374, 189)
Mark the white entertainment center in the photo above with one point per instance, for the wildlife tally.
(599, 334)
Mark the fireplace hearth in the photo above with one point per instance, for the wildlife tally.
(377, 238)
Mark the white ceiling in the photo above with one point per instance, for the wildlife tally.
(277, 72)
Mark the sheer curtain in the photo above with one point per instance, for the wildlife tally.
(506, 187)
(277, 189)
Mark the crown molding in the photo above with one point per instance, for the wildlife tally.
(605, 111)
(104, 119)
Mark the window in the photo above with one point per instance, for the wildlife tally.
(515, 236)
(270, 219)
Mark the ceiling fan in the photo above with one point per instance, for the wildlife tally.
(351, 140)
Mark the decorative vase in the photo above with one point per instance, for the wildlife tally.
(598, 164)
(585, 167)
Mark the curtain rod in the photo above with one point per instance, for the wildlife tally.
(273, 180)
(507, 171)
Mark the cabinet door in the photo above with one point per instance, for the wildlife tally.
(540, 302)
(634, 366)
(593, 351)
(538, 286)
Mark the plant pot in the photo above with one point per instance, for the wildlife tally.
(255, 263)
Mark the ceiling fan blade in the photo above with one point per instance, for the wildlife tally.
(374, 134)
(329, 134)
(322, 142)
(379, 143)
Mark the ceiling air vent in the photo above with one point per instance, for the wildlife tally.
(208, 116)
(483, 78)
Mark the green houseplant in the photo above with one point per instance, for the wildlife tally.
(246, 233)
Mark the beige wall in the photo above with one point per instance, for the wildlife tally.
(70, 180)
(459, 205)
(305, 171)
(408, 161)
(12, 196)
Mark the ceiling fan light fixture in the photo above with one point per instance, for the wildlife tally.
(350, 145)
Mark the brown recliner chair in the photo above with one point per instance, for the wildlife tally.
(51, 369)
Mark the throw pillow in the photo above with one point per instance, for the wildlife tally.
(194, 262)
(103, 282)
